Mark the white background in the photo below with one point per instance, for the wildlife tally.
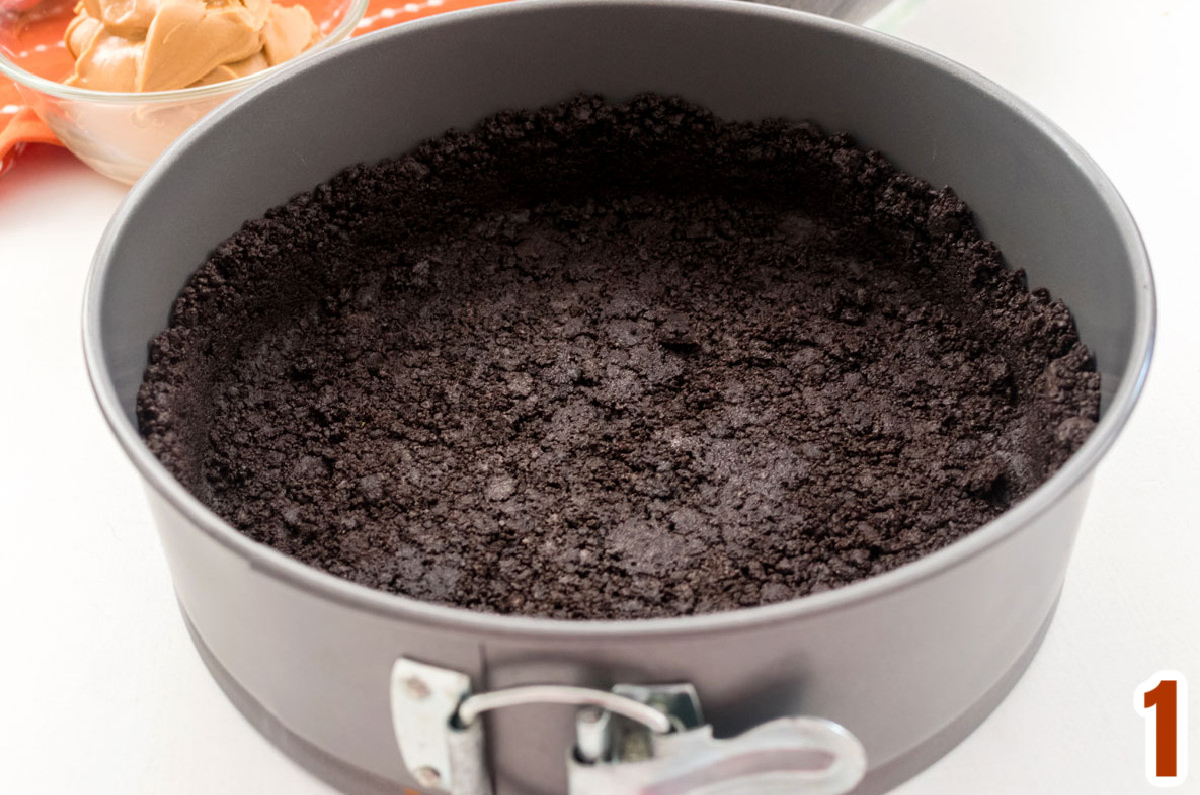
(101, 691)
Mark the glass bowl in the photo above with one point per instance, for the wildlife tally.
(120, 134)
(848, 10)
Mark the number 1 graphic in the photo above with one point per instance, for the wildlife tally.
(1162, 701)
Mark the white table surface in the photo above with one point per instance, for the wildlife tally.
(101, 691)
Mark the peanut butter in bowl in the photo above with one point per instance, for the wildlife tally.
(163, 45)
(116, 81)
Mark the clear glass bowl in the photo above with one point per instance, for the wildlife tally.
(849, 10)
(120, 134)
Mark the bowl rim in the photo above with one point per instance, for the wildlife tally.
(279, 566)
(355, 10)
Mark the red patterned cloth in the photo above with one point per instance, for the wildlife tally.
(20, 126)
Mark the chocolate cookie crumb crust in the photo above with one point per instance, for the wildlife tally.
(604, 361)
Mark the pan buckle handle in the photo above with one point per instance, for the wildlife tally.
(632, 740)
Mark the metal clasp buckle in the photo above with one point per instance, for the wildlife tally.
(632, 740)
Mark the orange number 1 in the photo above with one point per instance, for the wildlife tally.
(1162, 701)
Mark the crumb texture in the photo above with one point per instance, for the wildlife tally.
(615, 361)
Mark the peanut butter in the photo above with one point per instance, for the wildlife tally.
(162, 45)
